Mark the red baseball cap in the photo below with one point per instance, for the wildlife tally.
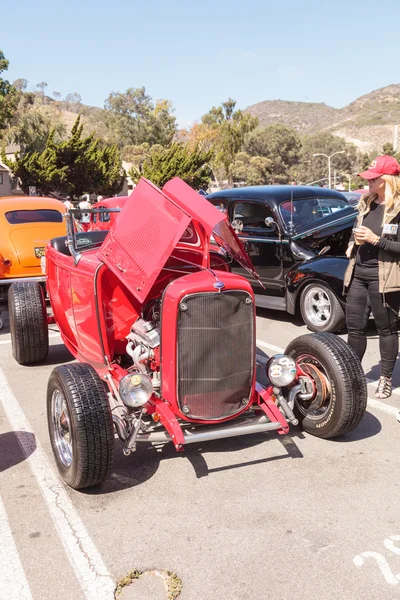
(382, 165)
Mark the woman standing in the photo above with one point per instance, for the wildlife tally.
(373, 275)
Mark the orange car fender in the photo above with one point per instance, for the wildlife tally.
(2, 265)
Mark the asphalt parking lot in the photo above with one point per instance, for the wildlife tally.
(257, 517)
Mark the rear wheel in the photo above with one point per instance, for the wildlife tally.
(340, 388)
(320, 309)
(28, 322)
(80, 425)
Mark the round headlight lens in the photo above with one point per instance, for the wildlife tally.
(135, 390)
(281, 370)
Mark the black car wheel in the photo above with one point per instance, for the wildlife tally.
(320, 309)
(28, 322)
(80, 425)
(340, 388)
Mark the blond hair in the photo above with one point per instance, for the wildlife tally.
(392, 198)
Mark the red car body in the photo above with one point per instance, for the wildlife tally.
(103, 221)
(91, 324)
(152, 311)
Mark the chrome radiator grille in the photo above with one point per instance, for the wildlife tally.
(215, 342)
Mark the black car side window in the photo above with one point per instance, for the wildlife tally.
(252, 215)
(221, 204)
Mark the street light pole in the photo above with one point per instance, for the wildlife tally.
(329, 163)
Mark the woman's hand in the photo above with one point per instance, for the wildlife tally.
(364, 234)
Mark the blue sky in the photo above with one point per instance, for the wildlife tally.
(197, 54)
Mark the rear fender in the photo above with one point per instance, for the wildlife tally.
(328, 270)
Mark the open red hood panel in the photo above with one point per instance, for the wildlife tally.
(151, 224)
(213, 220)
(142, 238)
(228, 240)
(193, 204)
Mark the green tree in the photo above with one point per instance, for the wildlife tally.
(41, 85)
(32, 123)
(280, 144)
(363, 164)
(20, 84)
(177, 161)
(8, 95)
(251, 170)
(71, 167)
(134, 119)
(231, 127)
(73, 101)
(388, 149)
(313, 168)
(137, 155)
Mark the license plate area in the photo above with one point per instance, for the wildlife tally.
(39, 251)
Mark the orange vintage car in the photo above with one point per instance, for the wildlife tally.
(26, 225)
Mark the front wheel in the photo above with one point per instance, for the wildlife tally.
(340, 387)
(320, 309)
(80, 425)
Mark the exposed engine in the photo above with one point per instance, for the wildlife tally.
(143, 340)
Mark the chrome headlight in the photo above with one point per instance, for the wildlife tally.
(281, 370)
(135, 390)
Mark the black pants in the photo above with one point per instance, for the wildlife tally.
(363, 296)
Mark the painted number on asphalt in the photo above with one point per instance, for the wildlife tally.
(383, 565)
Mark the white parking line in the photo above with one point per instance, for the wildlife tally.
(372, 402)
(85, 559)
(13, 583)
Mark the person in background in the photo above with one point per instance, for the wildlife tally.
(85, 216)
(67, 203)
(100, 198)
(373, 274)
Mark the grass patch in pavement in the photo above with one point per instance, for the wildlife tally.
(173, 583)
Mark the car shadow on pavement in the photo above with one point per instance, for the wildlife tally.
(58, 354)
(196, 456)
(368, 427)
(11, 453)
(144, 463)
(280, 315)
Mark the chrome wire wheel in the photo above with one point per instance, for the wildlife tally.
(318, 406)
(61, 424)
(317, 306)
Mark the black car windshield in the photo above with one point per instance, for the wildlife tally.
(43, 215)
(304, 211)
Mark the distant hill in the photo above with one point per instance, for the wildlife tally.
(368, 122)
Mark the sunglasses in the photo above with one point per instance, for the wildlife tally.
(374, 179)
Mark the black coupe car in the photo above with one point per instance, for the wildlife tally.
(296, 237)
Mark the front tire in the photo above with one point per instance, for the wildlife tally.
(320, 309)
(340, 396)
(80, 425)
(28, 322)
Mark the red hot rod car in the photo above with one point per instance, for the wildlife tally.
(165, 340)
